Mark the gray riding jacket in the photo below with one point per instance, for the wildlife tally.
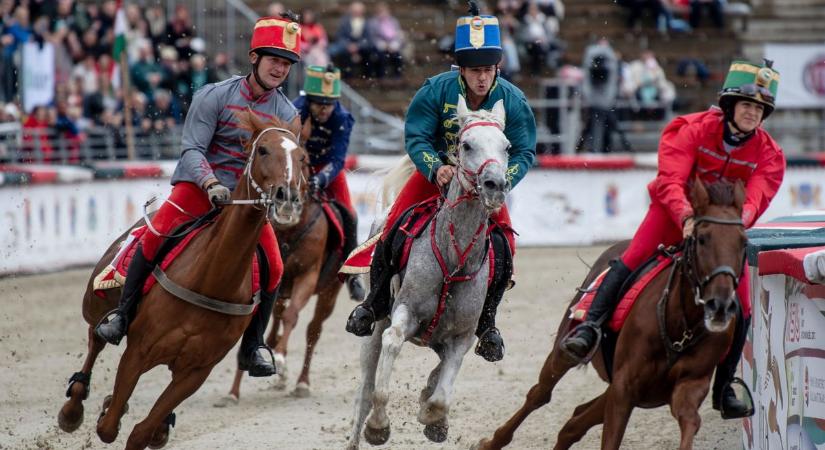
(211, 142)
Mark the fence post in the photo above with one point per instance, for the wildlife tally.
(109, 138)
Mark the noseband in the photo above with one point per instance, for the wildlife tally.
(699, 284)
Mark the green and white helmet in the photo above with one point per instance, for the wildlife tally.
(748, 81)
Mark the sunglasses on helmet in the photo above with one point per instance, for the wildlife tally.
(751, 90)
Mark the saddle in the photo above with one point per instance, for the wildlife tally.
(114, 274)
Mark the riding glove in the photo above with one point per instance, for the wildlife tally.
(315, 184)
(218, 193)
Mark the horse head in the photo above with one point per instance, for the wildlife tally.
(277, 167)
(716, 251)
(482, 153)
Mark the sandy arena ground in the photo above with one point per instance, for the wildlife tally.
(43, 341)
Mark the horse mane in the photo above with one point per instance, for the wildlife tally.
(249, 121)
(721, 193)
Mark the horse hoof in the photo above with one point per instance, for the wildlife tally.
(70, 422)
(160, 437)
(280, 382)
(377, 436)
(280, 363)
(301, 390)
(226, 400)
(480, 445)
(437, 432)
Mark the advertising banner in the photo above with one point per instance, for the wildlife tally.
(38, 75)
(802, 71)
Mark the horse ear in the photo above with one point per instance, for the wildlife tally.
(739, 194)
(499, 111)
(461, 109)
(699, 195)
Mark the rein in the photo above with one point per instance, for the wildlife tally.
(686, 254)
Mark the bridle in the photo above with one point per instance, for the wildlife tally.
(691, 271)
(468, 179)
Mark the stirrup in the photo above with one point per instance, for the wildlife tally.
(589, 356)
(105, 320)
(748, 412)
(251, 357)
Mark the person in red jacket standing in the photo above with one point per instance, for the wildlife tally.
(723, 143)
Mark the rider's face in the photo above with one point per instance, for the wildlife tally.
(272, 69)
(748, 115)
(321, 112)
(479, 79)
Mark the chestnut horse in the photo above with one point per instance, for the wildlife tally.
(217, 263)
(679, 328)
(311, 264)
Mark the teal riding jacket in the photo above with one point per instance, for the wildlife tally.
(431, 129)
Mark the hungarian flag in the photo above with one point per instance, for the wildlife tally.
(119, 46)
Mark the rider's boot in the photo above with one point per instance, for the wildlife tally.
(490, 343)
(581, 341)
(724, 397)
(113, 330)
(362, 319)
(350, 224)
(249, 356)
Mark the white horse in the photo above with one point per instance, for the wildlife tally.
(455, 251)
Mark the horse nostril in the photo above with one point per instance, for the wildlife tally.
(280, 193)
(491, 185)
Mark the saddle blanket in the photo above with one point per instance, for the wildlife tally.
(410, 225)
(114, 274)
(622, 310)
(335, 220)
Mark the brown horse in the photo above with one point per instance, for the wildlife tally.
(660, 358)
(311, 263)
(167, 330)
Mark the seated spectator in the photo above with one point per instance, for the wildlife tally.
(221, 66)
(15, 32)
(156, 19)
(538, 34)
(163, 112)
(692, 72)
(713, 7)
(353, 45)
(180, 31)
(388, 39)
(652, 92)
(510, 64)
(37, 145)
(636, 8)
(313, 40)
(145, 72)
(66, 129)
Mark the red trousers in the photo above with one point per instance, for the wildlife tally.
(338, 190)
(419, 189)
(194, 202)
(658, 228)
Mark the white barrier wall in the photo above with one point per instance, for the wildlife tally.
(785, 369)
(52, 226)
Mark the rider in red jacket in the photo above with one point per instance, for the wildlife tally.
(724, 143)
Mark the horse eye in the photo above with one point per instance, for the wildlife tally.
(262, 150)
(703, 239)
(466, 146)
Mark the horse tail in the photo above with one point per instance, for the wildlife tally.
(395, 179)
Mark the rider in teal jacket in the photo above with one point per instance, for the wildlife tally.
(433, 108)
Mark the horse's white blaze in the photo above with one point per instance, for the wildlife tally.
(288, 145)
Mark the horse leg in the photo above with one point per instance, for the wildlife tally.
(616, 414)
(70, 416)
(370, 351)
(555, 366)
(433, 412)
(585, 416)
(302, 288)
(234, 395)
(377, 431)
(684, 405)
(151, 430)
(432, 380)
(277, 313)
(323, 309)
(129, 371)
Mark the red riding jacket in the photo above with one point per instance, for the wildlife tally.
(692, 144)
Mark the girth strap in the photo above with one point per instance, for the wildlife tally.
(223, 307)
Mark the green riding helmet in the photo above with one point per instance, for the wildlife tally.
(322, 84)
(748, 81)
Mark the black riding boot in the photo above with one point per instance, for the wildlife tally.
(490, 343)
(249, 357)
(724, 398)
(350, 223)
(113, 330)
(581, 341)
(362, 319)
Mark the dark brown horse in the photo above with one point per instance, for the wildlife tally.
(217, 263)
(311, 263)
(660, 359)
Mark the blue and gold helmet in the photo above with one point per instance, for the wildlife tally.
(477, 40)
